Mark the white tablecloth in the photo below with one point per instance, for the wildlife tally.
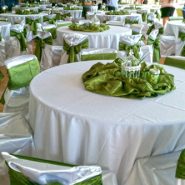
(16, 18)
(173, 28)
(5, 29)
(73, 125)
(106, 39)
(74, 13)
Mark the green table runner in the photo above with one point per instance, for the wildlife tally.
(108, 79)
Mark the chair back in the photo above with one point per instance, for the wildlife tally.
(176, 61)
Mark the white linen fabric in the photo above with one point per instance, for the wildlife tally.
(5, 29)
(106, 39)
(2, 53)
(76, 126)
(173, 27)
(74, 13)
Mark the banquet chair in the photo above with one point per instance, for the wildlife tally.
(27, 170)
(73, 44)
(16, 44)
(176, 61)
(16, 137)
(98, 54)
(21, 70)
(155, 170)
(180, 169)
(2, 52)
(50, 18)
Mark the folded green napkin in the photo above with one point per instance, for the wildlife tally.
(108, 79)
(17, 178)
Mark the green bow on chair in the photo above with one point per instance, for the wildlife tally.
(40, 44)
(128, 20)
(21, 75)
(182, 37)
(33, 24)
(144, 16)
(50, 20)
(21, 38)
(62, 16)
(156, 47)
(128, 48)
(53, 32)
(180, 170)
(17, 178)
(72, 51)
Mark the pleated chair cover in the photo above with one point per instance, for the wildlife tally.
(2, 52)
(21, 70)
(167, 45)
(155, 170)
(34, 171)
(176, 61)
(16, 137)
(98, 54)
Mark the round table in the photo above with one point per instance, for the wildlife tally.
(76, 126)
(106, 39)
(16, 18)
(173, 28)
(74, 13)
(5, 29)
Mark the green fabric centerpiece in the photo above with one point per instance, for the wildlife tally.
(108, 79)
(118, 13)
(89, 27)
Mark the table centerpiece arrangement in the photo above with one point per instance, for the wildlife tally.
(128, 77)
(89, 27)
(121, 12)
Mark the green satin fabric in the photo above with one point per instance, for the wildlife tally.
(62, 16)
(182, 37)
(21, 75)
(108, 79)
(156, 47)
(175, 62)
(53, 32)
(0, 37)
(180, 170)
(33, 24)
(72, 51)
(65, 24)
(99, 56)
(144, 17)
(21, 38)
(127, 48)
(129, 21)
(49, 20)
(150, 29)
(17, 178)
(40, 44)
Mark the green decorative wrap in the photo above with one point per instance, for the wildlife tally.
(158, 15)
(72, 51)
(50, 20)
(127, 48)
(150, 29)
(33, 24)
(182, 37)
(130, 21)
(176, 62)
(180, 170)
(99, 56)
(144, 16)
(63, 24)
(53, 32)
(17, 178)
(21, 38)
(21, 75)
(108, 79)
(156, 47)
(40, 44)
(62, 16)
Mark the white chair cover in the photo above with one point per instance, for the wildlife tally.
(2, 53)
(146, 53)
(130, 39)
(168, 45)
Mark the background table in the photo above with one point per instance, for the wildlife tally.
(74, 13)
(106, 39)
(173, 28)
(73, 125)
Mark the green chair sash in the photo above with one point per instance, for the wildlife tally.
(180, 170)
(33, 24)
(108, 79)
(17, 178)
(21, 38)
(128, 20)
(62, 16)
(40, 44)
(49, 20)
(21, 75)
(128, 48)
(156, 46)
(99, 56)
(72, 51)
(175, 61)
(182, 37)
(53, 32)
(144, 16)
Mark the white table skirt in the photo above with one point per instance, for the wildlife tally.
(73, 125)
(173, 27)
(74, 13)
(106, 39)
(16, 18)
(5, 29)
